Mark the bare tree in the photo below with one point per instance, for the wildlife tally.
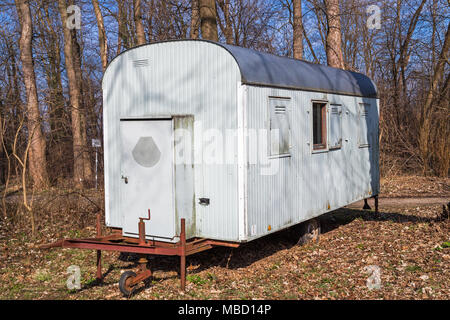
(37, 159)
(226, 27)
(297, 29)
(75, 98)
(124, 39)
(334, 38)
(195, 19)
(425, 123)
(23, 163)
(403, 54)
(2, 151)
(48, 56)
(208, 22)
(102, 38)
(404, 59)
(138, 22)
(77, 58)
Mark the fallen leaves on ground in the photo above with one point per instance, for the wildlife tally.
(407, 245)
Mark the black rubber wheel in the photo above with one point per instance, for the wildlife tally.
(124, 286)
(309, 232)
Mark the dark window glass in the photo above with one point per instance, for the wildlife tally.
(319, 125)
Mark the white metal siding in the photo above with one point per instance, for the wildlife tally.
(309, 184)
(176, 78)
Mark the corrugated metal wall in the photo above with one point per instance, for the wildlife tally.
(175, 78)
(201, 79)
(308, 184)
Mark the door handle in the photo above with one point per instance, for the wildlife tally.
(125, 179)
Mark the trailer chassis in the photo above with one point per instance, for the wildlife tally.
(141, 246)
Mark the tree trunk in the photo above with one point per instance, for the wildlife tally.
(123, 36)
(227, 29)
(138, 22)
(208, 22)
(2, 153)
(75, 98)
(37, 159)
(195, 19)
(297, 30)
(53, 76)
(59, 123)
(334, 38)
(77, 56)
(403, 55)
(102, 39)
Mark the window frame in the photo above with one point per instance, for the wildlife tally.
(322, 147)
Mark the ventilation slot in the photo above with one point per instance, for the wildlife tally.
(140, 63)
(280, 109)
(364, 109)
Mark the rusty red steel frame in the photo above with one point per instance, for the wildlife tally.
(117, 242)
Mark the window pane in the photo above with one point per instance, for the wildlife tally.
(317, 123)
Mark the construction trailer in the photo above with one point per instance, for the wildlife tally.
(235, 143)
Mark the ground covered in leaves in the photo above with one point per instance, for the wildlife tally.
(408, 246)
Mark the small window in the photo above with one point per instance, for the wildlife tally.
(335, 136)
(319, 125)
(279, 137)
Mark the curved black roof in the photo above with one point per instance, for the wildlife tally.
(266, 69)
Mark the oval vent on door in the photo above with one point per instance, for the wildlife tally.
(146, 153)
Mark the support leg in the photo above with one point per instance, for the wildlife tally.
(99, 252)
(183, 255)
(99, 265)
(376, 204)
(366, 205)
(144, 272)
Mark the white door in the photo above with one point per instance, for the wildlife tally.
(146, 173)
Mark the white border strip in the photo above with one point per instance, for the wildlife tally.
(106, 152)
(242, 159)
